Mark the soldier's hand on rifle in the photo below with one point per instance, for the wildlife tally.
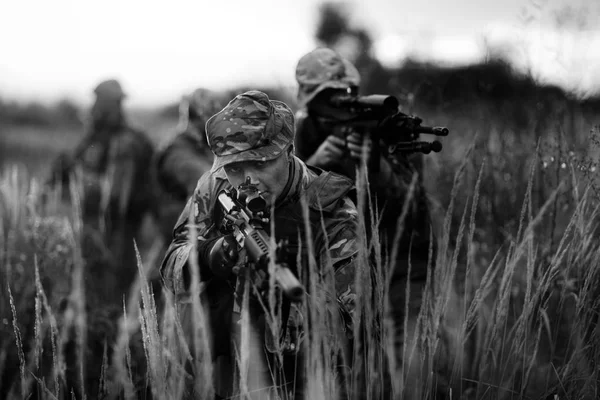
(358, 143)
(224, 257)
(329, 153)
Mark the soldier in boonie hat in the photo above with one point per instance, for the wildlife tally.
(195, 109)
(250, 128)
(186, 157)
(201, 104)
(252, 140)
(323, 69)
(110, 88)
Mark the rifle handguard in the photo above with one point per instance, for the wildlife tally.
(256, 244)
(417, 147)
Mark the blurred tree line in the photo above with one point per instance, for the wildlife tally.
(64, 112)
(432, 86)
(420, 86)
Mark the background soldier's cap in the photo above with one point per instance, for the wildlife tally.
(110, 89)
(203, 102)
(322, 69)
(250, 128)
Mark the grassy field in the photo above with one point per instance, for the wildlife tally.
(514, 313)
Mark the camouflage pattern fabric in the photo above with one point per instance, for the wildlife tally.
(181, 161)
(325, 193)
(332, 221)
(250, 128)
(123, 158)
(389, 193)
(177, 168)
(117, 194)
(323, 69)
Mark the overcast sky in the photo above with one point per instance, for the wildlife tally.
(158, 49)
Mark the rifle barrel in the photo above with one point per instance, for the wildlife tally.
(433, 130)
(418, 147)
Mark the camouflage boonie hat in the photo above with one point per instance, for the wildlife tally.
(250, 128)
(323, 69)
(110, 89)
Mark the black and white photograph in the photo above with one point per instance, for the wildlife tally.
(300, 200)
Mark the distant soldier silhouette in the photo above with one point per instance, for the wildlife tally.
(111, 164)
(185, 158)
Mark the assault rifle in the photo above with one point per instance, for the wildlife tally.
(379, 115)
(244, 216)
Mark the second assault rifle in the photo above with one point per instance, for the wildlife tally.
(244, 210)
(379, 115)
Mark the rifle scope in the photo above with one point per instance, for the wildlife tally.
(383, 103)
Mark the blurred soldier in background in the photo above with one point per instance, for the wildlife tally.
(184, 159)
(356, 46)
(327, 138)
(112, 165)
(252, 138)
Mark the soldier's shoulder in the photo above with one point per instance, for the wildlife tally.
(205, 194)
(211, 181)
(326, 189)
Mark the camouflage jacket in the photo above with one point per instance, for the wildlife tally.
(181, 163)
(389, 193)
(118, 160)
(332, 223)
(177, 168)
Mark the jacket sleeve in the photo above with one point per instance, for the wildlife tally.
(341, 247)
(198, 217)
(307, 139)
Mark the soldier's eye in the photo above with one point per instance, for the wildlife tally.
(232, 170)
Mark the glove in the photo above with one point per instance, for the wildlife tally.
(355, 143)
(223, 256)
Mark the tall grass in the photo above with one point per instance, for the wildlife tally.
(510, 310)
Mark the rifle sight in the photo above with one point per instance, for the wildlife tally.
(249, 195)
(379, 103)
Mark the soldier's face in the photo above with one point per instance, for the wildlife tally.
(322, 107)
(269, 176)
(107, 111)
